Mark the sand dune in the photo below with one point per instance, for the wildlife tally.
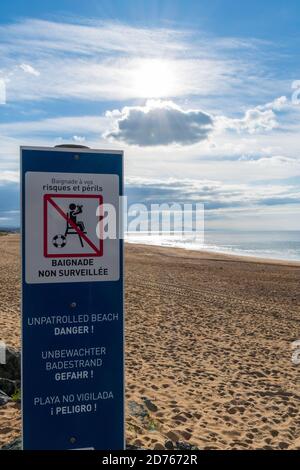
(208, 343)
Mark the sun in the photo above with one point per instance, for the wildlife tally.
(154, 78)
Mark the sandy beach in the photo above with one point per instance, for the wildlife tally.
(208, 348)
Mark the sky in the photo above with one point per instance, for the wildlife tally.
(202, 96)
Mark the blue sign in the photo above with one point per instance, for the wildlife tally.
(72, 299)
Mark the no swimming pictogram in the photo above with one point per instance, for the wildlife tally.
(70, 225)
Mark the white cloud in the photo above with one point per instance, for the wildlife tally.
(269, 161)
(9, 177)
(88, 38)
(72, 124)
(2, 91)
(160, 123)
(101, 60)
(213, 193)
(78, 138)
(254, 120)
(258, 119)
(27, 68)
(278, 104)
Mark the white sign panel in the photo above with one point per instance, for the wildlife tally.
(64, 220)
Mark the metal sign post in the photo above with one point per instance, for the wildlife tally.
(72, 300)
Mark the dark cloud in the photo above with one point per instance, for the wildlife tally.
(160, 123)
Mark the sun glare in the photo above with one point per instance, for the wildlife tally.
(154, 79)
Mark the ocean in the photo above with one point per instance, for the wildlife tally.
(280, 245)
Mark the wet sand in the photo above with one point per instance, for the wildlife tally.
(208, 348)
